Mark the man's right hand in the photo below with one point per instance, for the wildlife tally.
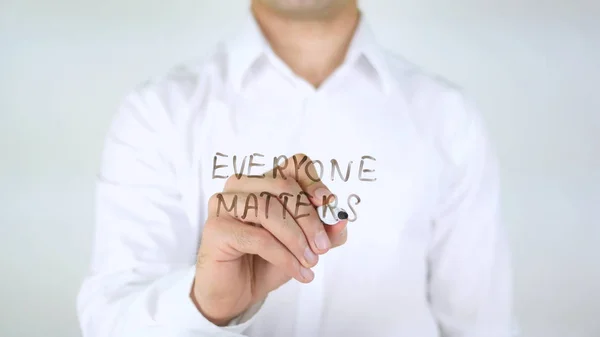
(245, 255)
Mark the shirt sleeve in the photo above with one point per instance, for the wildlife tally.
(144, 252)
(470, 285)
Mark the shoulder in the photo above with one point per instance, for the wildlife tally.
(443, 111)
(422, 88)
(171, 97)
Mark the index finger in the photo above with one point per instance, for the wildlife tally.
(302, 169)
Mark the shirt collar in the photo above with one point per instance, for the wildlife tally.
(249, 45)
(244, 49)
(365, 45)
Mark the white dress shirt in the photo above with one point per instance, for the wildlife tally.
(426, 254)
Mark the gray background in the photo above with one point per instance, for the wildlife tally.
(532, 65)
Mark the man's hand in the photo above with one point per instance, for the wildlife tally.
(244, 255)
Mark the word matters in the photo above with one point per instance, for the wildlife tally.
(284, 167)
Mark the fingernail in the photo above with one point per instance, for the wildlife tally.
(321, 194)
(306, 273)
(311, 258)
(322, 241)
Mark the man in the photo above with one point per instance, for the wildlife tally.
(207, 223)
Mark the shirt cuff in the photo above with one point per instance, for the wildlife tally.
(175, 307)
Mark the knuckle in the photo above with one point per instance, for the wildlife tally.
(211, 223)
(231, 182)
(283, 185)
(211, 228)
(213, 202)
(299, 156)
(263, 238)
(241, 236)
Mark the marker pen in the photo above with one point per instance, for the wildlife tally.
(333, 215)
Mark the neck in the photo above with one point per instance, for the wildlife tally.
(313, 49)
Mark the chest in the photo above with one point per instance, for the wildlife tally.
(367, 151)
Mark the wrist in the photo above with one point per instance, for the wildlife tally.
(218, 319)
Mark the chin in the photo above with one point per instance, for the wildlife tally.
(300, 4)
(306, 8)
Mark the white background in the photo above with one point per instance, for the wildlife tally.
(532, 65)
